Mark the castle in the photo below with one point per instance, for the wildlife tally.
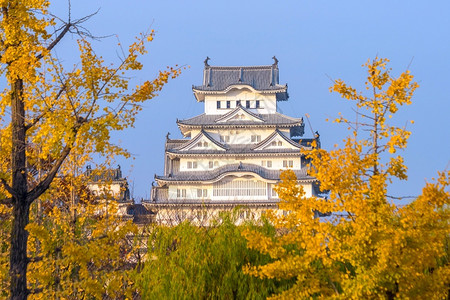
(233, 153)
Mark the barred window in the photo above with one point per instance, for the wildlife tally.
(240, 188)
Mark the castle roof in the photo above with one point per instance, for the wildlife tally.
(260, 120)
(183, 147)
(219, 173)
(263, 79)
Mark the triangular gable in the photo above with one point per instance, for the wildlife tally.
(203, 141)
(277, 140)
(239, 114)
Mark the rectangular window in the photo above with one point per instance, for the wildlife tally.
(247, 104)
(269, 164)
(202, 193)
(263, 163)
(238, 103)
(274, 194)
(257, 104)
(189, 164)
(194, 165)
(216, 164)
(211, 164)
(228, 104)
(181, 193)
(288, 163)
(218, 104)
(256, 138)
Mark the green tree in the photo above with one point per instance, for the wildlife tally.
(58, 111)
(191, 262)
(369, 247)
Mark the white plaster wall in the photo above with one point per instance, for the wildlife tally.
(203, 163)
(268, 103)
(241, 135)
(191, 192)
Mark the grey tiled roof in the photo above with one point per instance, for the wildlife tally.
(277, 132)
(232, 168)
(275, 119)
(261, 78)
(189, 203)
(175, 143)
(238, 108)
(195, 140)
(235, 149)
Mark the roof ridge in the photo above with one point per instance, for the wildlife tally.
(198, 137)
(240, 67)
(237, 108)
(276, 132)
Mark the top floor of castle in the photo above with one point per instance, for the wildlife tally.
(255, 88)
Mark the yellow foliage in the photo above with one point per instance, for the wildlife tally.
(49, 112)
(367, 247)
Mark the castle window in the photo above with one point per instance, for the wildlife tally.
(199, 144)
(274, 193)
(228, 104)
(273, 143)
(238, 102)
(202, 193)
(280, 143)
(205, 144)
(192, 165)
(263, 163)
(181, 193)
(269, 164)
(247, 104)
(211, 164)
(224, 138)
(218, 104)
(257, 104)
(256, 138)
(288, 163)
(216, 164)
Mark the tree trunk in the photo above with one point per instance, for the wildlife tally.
(18, 252)
(19, 236)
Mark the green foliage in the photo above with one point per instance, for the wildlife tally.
(189, 262)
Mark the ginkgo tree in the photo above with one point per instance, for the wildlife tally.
(56, 110)
(368, 247)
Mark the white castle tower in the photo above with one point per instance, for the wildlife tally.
(233, 153)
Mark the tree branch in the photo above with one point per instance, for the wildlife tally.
(6, 201)
(7, 187)
(45, 183)
(56, 41)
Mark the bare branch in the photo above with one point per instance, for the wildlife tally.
(66, 29)
(401, 197)
(6, 201)
(361, 114)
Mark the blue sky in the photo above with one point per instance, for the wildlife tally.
(313, 41)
